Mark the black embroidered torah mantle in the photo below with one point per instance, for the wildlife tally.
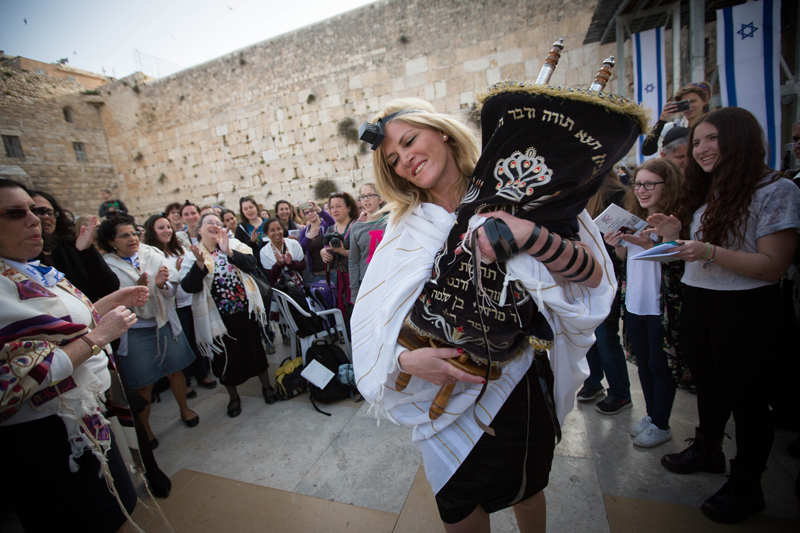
(545, 152)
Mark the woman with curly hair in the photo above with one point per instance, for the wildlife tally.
(251, 229)
(156, 346)
(737, 227)
(647, 306)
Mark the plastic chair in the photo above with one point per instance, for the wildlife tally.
(284, 301)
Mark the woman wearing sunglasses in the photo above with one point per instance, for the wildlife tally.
(41, 437)
(156, 346)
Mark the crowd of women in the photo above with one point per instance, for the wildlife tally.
(177, 299)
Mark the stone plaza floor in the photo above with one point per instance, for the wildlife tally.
(285, 467)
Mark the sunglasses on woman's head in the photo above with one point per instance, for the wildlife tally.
(16, 213)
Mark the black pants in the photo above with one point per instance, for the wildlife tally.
(729, 341)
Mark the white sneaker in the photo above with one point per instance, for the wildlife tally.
(640, 426)
(652, 437)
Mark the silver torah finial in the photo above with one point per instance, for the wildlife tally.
(601, 78)
(550, 63)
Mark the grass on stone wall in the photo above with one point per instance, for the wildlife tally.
(324, 188)
(347, 129)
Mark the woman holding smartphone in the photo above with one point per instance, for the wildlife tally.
(693, 100)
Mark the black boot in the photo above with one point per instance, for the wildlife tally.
(738, 499)
(702, 455)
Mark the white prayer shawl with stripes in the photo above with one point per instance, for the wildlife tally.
(400, 267)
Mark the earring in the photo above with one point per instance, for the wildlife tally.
(444, 137)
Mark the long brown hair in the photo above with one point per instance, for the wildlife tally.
(173, 247)
(728, 189)
(667, 170)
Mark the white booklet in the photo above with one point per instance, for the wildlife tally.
(663, 253)
(317, 374)
(614, 218)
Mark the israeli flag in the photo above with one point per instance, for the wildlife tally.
(650, 79)
(748, 55)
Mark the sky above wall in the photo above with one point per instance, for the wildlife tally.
(101, 35)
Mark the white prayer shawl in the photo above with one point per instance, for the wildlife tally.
(159, 305)
(400, 267)
(208, 326)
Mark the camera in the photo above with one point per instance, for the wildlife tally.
(681, 106)
(334, 240)
(372, 133)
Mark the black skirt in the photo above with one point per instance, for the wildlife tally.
(244, 356)
(46, 495)
(491, 476)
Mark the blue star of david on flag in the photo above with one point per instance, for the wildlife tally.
(747, 30)
(649, 88)
(749, 69)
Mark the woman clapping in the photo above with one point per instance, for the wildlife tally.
(156, 346)
(228, 310)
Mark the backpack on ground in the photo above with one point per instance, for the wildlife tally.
(288, 381)
(331, 357)
(305, 326)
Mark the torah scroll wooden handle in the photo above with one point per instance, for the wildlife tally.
(440, 402)
(402, 381)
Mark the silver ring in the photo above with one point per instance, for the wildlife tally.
(131, 316)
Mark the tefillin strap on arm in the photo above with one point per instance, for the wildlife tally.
(587, 262)
(501, 238)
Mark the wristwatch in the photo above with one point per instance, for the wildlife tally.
(95, 348)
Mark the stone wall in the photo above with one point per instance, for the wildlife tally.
(32, 108)
(265, 121)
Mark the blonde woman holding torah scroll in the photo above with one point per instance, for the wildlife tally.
(541, 287)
